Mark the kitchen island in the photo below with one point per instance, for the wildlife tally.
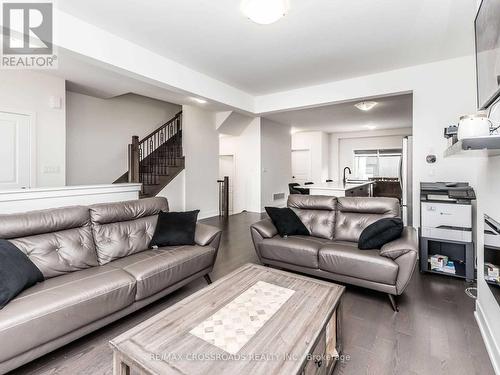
(339, 189)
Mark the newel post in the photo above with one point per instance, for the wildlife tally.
(133, 160)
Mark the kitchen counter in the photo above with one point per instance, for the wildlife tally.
(338, 189)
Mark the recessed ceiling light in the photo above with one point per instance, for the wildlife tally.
(371, 127)
(199, 100)
(264, 12)
(365, 106)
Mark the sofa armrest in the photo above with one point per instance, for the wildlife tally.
(406, 243)
(404, 252)
(206, 234)
(265, 228)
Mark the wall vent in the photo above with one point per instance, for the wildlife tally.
(278, 196)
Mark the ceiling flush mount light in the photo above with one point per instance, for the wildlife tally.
(199, 100)
(264, 12)
(371, 127)
(365, 106)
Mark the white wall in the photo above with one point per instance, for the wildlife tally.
(276, 162)
(246, 149)
(175, 192)
(200, 142)
(251, 163)
(28, 92)
(487, 309)
(262, 164)
(318, 144)
(99, 130)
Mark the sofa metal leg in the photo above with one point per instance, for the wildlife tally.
(394, 305)
(208, 279)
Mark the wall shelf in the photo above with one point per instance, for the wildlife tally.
(480, 146)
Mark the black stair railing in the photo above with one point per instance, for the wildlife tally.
(152, 156)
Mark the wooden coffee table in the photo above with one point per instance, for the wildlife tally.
(256, 320)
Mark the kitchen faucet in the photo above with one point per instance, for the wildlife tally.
(349, 169)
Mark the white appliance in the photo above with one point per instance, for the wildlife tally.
(447, 221)
(472, 126)
(406, 181)
(446, 211)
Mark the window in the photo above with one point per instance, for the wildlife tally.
(377, 163)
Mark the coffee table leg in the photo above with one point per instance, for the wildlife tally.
(119, 367)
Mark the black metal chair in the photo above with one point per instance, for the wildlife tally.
(293, 189)
(296, 190)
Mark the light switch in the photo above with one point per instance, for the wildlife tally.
(51, 169)
(55, 102)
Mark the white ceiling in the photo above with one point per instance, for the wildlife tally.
(391, 112)
(318, 41)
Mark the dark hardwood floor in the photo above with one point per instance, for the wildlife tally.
(433, 333)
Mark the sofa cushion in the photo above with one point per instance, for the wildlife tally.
(346, 259)
(58, 253)
(57, 241)
(286, 222)
(298, 250)
(354, 214)
(175, 229)
(43, 221)
(60, 305)
(155, 270)
(316, 212)
(17, 272)
(124, 228)
(381, 232)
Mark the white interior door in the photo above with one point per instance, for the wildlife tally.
(15, 151)
(301, 166)
(226, 168)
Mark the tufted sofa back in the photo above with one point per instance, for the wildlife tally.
(340, 219)
(57, 241)
(316, 212)
(355, 213)
(125, 228)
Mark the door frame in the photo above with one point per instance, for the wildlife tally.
(32, 140)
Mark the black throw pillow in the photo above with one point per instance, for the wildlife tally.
(175, 229)
(17, 272)
(287, 222)
(376, 235)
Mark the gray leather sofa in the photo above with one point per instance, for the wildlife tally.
(97, 269)
(331, 251)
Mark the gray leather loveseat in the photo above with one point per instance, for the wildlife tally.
(331, 251)
(97, 269)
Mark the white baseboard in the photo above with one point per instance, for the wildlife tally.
(489, 340)
(207, 214)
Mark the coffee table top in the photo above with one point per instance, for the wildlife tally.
(254, 320)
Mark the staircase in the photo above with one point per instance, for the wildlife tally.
(157, 159)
